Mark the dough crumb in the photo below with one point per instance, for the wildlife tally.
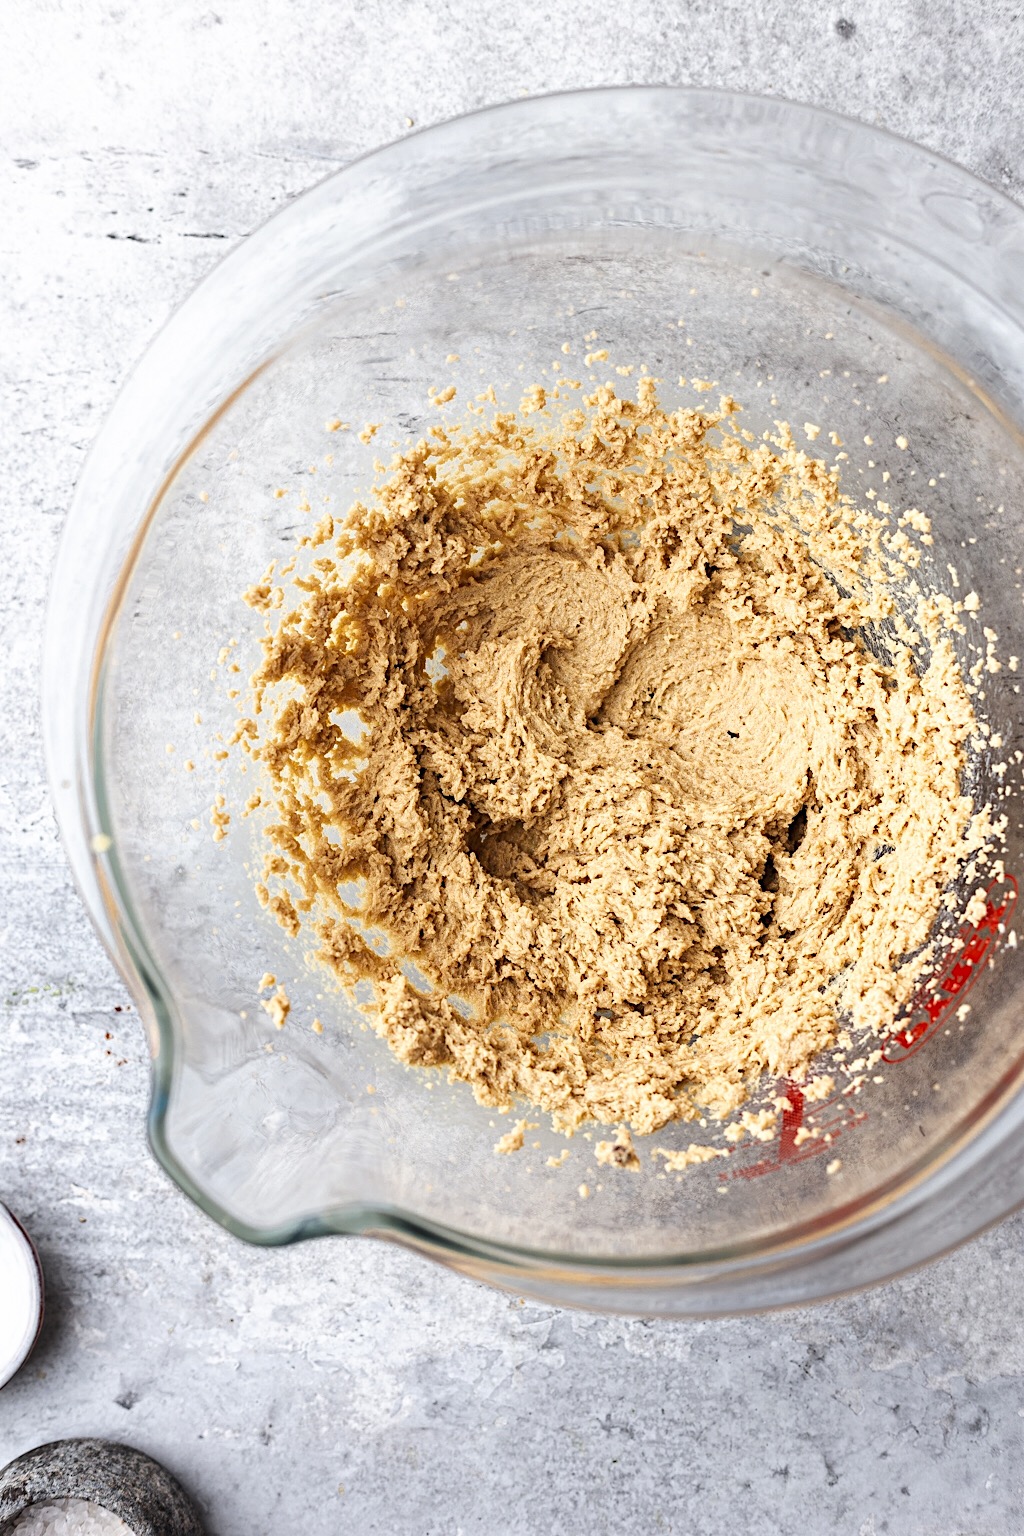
(278, 1007)
(619, 1153)
(220, 819)
(760, 1125)
(688, 1157)
(512, 1140)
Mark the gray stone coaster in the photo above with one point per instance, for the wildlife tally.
(133, 1486)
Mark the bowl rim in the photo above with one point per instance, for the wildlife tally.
(71, 722)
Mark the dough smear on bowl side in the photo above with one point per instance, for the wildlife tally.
(635, 736)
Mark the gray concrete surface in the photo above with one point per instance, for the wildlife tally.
(349, 1387)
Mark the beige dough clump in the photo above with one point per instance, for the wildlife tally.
(593, 743)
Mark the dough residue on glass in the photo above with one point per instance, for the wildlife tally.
(620, 751)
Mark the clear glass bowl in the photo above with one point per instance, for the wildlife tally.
(794, 256)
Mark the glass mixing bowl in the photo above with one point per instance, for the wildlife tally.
(822, 271)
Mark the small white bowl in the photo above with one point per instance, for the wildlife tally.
(21, 1285)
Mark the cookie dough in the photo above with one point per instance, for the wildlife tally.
(608, 743)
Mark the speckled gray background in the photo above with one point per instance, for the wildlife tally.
(348, 1387)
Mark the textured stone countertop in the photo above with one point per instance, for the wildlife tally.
(348, 1386)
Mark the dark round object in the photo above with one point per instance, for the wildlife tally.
(118, 1478)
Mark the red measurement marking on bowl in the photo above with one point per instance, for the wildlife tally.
(928, 1008)
(827, 1119)
(932, 1002)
